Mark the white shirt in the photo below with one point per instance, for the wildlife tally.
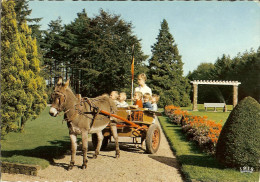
(154, 107)
(144, 89)
(116, 102)
(122, 104)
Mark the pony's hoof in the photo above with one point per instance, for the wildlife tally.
(84, 166)
(117, 156)
(94, 156)
(70, 168)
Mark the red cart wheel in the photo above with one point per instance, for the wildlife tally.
(153, 137)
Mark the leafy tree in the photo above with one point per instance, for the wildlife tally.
(99, 53)
(203, 72)
(166, 70)
(207, 93)
(112, 53)
(246, 68)
(243, 68)
(222, 67)
(22, 90)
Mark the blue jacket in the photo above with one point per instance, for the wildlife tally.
(147, 105)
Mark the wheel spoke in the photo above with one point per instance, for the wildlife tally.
(155, 140)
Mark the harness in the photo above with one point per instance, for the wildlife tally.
(94, 110)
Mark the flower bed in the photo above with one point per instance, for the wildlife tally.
(199, 129)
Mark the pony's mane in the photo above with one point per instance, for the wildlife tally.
(70, 90)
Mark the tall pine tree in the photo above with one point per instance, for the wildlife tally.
(166, 70)
(77, 48)
(53, 51)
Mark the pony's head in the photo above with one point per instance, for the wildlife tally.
(59, 97)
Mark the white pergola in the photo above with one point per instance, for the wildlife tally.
(213, 82)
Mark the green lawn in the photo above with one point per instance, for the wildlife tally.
(44, 139)
(218, 117)
(196, 165)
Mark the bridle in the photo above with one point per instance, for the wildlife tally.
(60, 106)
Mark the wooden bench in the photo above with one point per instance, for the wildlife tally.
(215, 105)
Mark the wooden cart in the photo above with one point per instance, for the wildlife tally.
(134, 123)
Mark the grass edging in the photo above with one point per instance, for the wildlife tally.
(196, 165)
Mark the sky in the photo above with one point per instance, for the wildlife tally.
(203, 31)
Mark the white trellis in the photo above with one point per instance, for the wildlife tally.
(213, 82)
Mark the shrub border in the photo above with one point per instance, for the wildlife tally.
(16, 168)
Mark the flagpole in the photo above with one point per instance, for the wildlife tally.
(132, 92)
(132, 71)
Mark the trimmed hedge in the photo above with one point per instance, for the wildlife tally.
(239, 141)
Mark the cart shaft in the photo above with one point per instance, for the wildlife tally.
(121, 118)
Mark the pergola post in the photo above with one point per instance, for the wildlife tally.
(235, 94)
(195, 97)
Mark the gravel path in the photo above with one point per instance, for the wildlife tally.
(133, 166)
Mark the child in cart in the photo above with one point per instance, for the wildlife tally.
(147, 101)
(138, 96)
(121, 100)
(155, 99)
(114, 96)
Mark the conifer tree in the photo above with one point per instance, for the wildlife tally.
(13, 97)
(53, 51)
(77, 46)
(20, 68)
(22, 12)
(34, 83)
(111, 41)
(166, 70)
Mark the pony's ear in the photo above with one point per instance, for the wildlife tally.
(59, 81)
(67, 84)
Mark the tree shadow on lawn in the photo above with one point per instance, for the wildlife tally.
(56, 150)
(200, 160)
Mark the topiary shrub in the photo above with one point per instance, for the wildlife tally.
(239, 141)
